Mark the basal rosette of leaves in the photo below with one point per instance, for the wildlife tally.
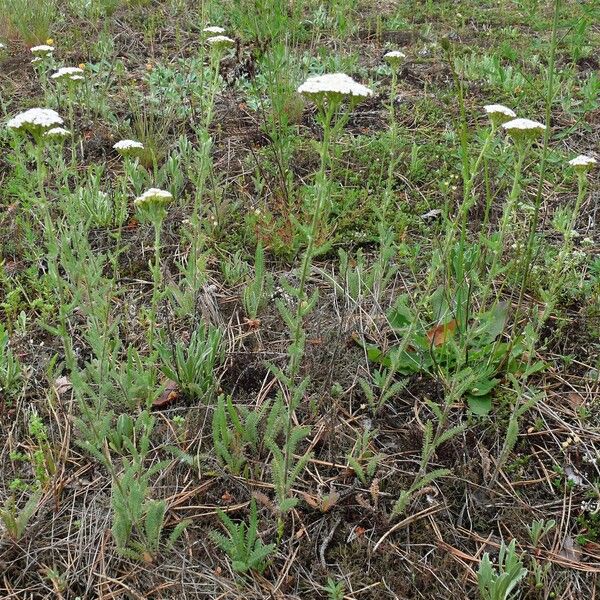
(479, 359)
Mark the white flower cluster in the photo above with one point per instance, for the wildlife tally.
(499, 114)
(394, 54)
(213, 30)
(220, 41)
(153, 195)
(493, 109)
(334, 84)
(523, 125)
(57, 133)
(68, 73)
(2, 46)
(42, 50)
(129, 147)
(583, 163)
(35, 119)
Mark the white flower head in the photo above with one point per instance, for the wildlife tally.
(334, 86)
(35, 120)
(68, 74)
(57, 133)
(2, 46)
(129, 147)
(499, 114)
(583, 163)
(394, 57)
(153, 196)
(213, 30)
(220, 41)
(523, 129)
(42, 50)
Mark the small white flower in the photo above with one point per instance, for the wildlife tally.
(499, 114)
(214, 29)
(220, 41)
(588, 242)
(2, 46)
(583, 163)
(35, 120)
(128, 147)
(42, 50)
(523, 125)
(393, 54)
(153, 195)
(394, 57)
(69, 73)
(57, 133)
(333, 84)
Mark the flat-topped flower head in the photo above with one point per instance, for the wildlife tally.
(57, 133)
(220, 42)
(153, 196)
(68, 74)
(43, 50)
(499, 114)
(35, 120)
(213, 30)
(524, 130)
(129, 147)
(333, 86)
(583, 163)
(394, 58)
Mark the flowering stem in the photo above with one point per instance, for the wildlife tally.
(312, 234)
(509, 207)
(297, 343)
(156, 276)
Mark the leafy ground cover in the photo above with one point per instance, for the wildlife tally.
(271, 332)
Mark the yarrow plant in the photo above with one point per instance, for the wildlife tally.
(328, 92)
(42, 51)
(214, 30)
(333, 88)
(582, 163)
(68, 74)
(499, 114)
(523, 130)
(220, 42)
(151, 206)
(129, 148)
(35, 121)
(394, 58)
(57, 133)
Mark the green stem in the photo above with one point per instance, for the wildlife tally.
(157, 223)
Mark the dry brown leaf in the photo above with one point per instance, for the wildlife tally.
(440, 334)
(169, 395)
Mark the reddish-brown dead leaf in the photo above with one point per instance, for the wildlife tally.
(440, 334)
(310, 500)
(169, 395)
